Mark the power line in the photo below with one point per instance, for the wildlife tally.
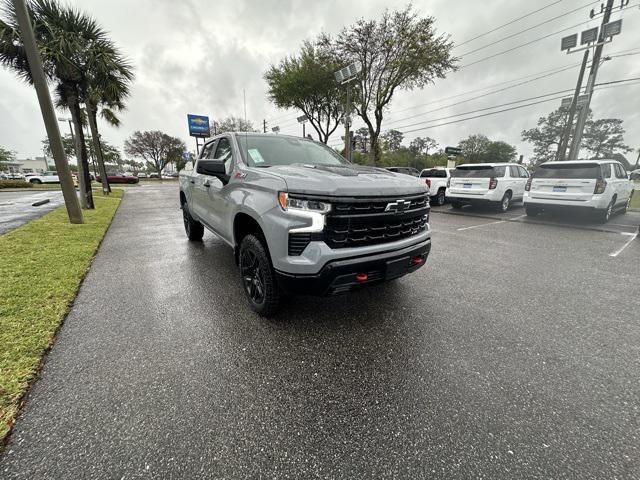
(603, 86)
(483, 95)
(530, 42)
(508, 23)
(528, 29)
(519, 106)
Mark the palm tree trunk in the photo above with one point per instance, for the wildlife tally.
(86, 195)
(93, 125)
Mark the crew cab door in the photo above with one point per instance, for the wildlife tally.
(214, 201)
(199, 193)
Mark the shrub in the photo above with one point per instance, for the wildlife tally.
(15, 184)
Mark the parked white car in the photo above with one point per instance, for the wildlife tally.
(46, 177)
(12, 176)
(498, 184)
(141, 175)
(601, 187)
(436, 179)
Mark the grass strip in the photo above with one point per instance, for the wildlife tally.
(41, 266)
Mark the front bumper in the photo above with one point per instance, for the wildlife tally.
(341, 275)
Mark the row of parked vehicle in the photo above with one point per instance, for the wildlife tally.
(597, 187)
(52, 177)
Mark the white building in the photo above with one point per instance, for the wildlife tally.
(28, 165)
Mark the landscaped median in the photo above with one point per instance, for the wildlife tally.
(41, 267)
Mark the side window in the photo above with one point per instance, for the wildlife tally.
(207, 150)
(523, 172)
(606, 170)
(513, 171)
(223, 152)
(620, 173)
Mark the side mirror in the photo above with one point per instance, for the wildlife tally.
(215, 168)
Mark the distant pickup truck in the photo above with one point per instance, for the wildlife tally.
(301, 219)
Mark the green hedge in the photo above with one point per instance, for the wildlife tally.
(15, 184)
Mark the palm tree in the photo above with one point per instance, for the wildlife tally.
(67, 40)
(107, 86)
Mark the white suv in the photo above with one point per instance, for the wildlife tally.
(598, 186)
(497, 184)
(436, 179)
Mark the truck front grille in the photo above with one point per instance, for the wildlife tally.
(359, 222)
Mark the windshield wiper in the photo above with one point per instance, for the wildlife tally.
(262, 166)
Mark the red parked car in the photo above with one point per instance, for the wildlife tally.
(120, 178)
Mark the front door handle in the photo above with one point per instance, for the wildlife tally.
(207, 184)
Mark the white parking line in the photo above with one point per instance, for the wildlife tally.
(632, 237)
(481, 225)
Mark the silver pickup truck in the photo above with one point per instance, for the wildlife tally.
(301, 219)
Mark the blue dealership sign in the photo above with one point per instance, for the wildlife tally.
(198, 125)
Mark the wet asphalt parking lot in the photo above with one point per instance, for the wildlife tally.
(513, 354)
(16, 208)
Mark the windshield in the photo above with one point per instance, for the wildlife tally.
(267, 151)
(576, 170)
(480, 171)
(433, 173)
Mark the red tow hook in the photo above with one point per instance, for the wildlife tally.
(362, 277)
(417, 260)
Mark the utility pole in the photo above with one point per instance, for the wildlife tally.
(347, 125)
(264, 126)
(564, 141)
(48, 113)
(595, 64)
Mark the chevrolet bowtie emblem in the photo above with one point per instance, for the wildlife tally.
(397, 206)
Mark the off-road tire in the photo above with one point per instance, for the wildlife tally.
(193, 228)
(258, 276)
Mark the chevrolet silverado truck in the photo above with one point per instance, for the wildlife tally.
(301, 219)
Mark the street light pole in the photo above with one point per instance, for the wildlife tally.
(48, 113)
(347, 125)
(595, 64)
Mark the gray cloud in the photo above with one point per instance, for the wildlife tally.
(201, 57)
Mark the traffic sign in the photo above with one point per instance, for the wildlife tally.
(302, 119)
(453, 150)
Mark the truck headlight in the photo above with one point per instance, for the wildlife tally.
(288, 203)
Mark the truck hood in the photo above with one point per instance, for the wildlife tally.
(346, 180)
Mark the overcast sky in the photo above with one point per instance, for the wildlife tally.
(198, 57)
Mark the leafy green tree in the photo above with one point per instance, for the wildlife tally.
(110, 153)
(603, 138)
(361, 137)
(422, 145)
(6, 156)
(399, 51)
(474, 148)
(156, 148)
(392, 140)
(231, 124)
(499, 151)
(306, 82)
(479, 148)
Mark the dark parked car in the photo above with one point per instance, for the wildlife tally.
(119, 178)
(406, 170)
